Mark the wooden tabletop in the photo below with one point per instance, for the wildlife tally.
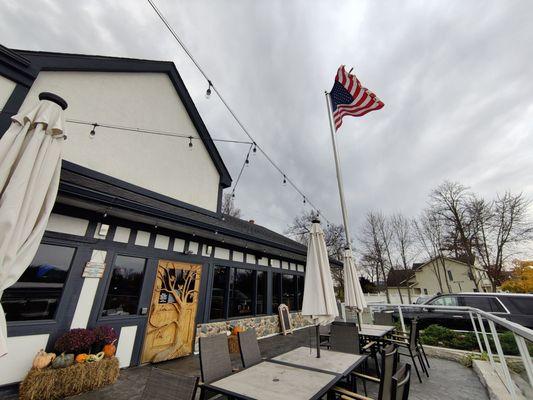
(273, 380)
(329, 361)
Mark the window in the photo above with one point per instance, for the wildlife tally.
(484, 303)
(288, 286)
(125, 287)
(450, 276)
(37, 293)
(218, 294)
(300, 292)
(261, 307)
(241, 289)
(425, 291)
(445, 301)
(276, 291)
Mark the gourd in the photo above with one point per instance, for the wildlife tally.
(43, 359)
(63, 361)
(237, 329)
(81, 358)
(95, 357)
(110, 349)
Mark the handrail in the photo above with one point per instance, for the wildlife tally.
(526, 333)
(520, 333)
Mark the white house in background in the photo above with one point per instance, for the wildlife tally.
(423, 279)
(132, 210)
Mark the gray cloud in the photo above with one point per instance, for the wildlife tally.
(455, 77)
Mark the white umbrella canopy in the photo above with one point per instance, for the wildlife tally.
(353, 293)
(30, 165)
(319, 296)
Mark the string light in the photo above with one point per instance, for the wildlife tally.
(190, 142)
(247, 161)
(284, 180)
(255, 149)
(208, 91)
(305, 201)
(92, 133)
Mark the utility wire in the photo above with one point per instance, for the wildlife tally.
(211, 85)
(246, 162)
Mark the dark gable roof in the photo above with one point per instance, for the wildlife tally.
(398, 277)
(29, 63)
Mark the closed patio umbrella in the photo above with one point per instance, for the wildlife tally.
(30, 165)
(319, 296)
(353, 293)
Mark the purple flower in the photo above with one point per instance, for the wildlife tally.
(75, 341)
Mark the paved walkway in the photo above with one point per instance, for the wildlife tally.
(447, 378)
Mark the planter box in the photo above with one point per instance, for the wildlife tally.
(51, 384)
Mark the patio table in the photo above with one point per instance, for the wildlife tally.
(329, 361)
(375, 331)
(273, 380)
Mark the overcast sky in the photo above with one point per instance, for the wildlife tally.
(456, 78)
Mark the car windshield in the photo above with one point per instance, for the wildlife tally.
(444, 301)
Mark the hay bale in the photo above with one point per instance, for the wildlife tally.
(51, 384)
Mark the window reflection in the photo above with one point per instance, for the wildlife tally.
(125, 286)
(218, 294)
(289, 290)
(276, 291)
(300, 292)
(261, 292)
(37, 293)
(241, 290)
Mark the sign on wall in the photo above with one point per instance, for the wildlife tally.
(93, 269)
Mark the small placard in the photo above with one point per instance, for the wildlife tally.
(93, 269)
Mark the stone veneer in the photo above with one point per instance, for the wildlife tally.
(264, 326)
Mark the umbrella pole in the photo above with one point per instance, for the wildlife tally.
(360, 320)
(317, 327)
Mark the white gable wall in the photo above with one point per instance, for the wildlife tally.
(6, 88)
(143, 100)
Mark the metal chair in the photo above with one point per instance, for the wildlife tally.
(250, 353)
(411, 342)
(400, 383)
(383, 318)
(164, 385)
(389, 362)
(215, 361)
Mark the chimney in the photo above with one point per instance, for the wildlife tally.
(252, 221)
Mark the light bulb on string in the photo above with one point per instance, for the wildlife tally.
(305, 201)
(190, 143)
(208, 91)
(92, 133)
(254, 150)
(284, 180)
(247, 161)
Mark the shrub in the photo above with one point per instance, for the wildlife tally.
(104, 335)
(75, 341)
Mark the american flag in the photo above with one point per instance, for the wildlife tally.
(349, 97)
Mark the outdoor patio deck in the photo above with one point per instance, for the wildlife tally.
(447, 378)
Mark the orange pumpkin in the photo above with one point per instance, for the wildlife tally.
(81, 358)
(110, 349)
(237, 329)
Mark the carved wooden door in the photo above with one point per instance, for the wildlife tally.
(171, 321)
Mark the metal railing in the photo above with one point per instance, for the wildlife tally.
(521, 334)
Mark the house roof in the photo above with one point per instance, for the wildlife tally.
(399, 277)
(84, 188)
(23, 66)
(460, 260)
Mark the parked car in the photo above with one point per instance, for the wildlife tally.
(514, 307)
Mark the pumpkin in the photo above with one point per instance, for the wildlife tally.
(110, 349)
(81, 358)
(43, 359)
(237, 329)
(63, 361)
(95, 357)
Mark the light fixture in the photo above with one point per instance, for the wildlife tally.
(92, 133)
(254, 149)
(208, 91)
(305, 201)
(105, 214)
(284, 180)
(247, 161)
(233, 195)
(190, 142)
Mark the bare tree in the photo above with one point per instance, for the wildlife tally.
(450, 202)
(499, 226)
(228, 206)
(375, 248)
(403, 243)
(429, 232)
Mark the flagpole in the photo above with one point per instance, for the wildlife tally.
(339, 175)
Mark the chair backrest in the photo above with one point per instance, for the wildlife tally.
(383, 318)
(413, 335)
(215, 362)
(344, 337)
(389, 362)
(400, 383)
(165, 385)
(250, 353)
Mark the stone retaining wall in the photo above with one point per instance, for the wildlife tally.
(264, 326)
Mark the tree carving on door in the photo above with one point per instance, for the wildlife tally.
(171, 322)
